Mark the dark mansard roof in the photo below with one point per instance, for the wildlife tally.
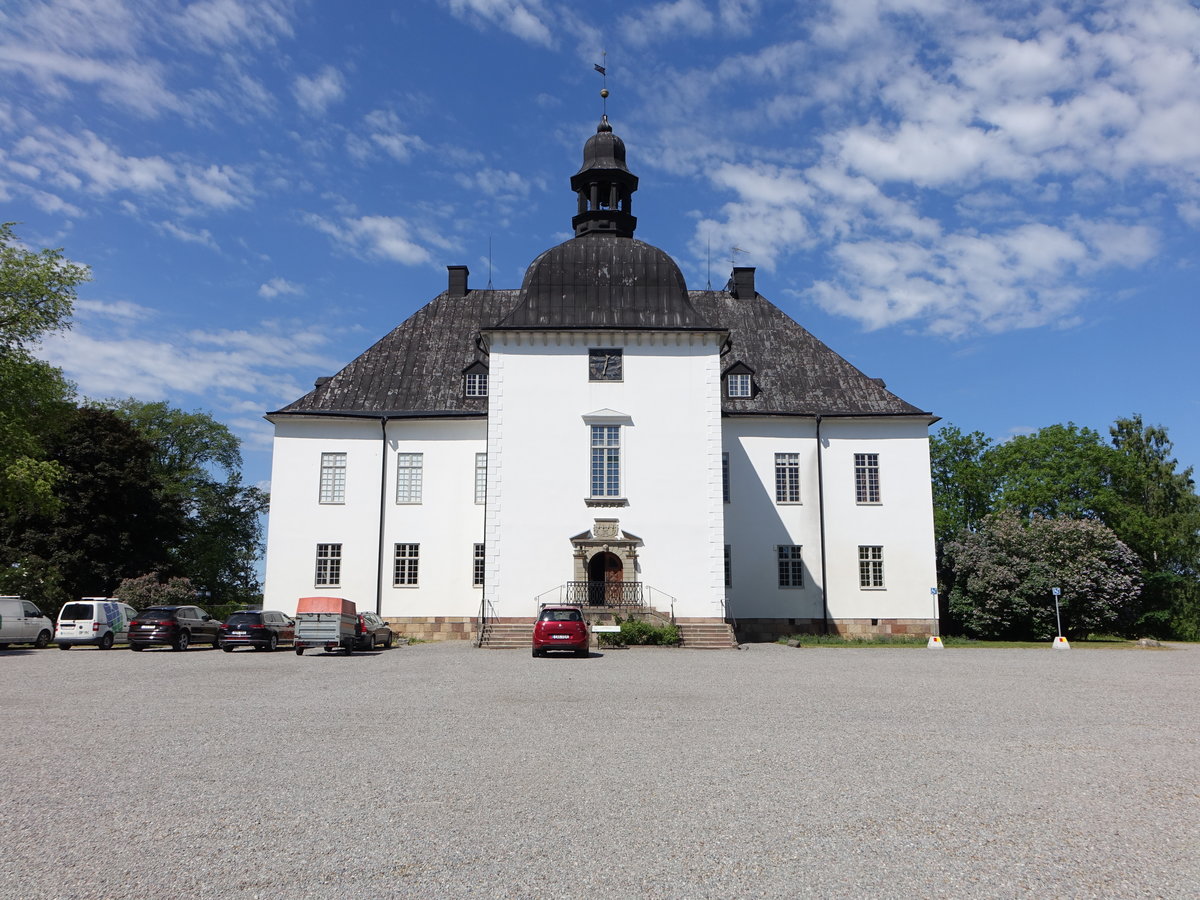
(600, 280)
(416, 370)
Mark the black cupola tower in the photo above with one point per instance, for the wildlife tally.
(604, 186)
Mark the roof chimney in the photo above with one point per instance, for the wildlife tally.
(458, 280)
(322, 380)
(741, 282)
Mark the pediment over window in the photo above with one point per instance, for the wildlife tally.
(608, 533)
(738, 368)
(607, 417)
(476, 368)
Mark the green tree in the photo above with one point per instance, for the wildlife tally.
(37, 294)
(197, 463)
(1159, 518)
(112, 522)
(1060, 471)
(1007, 569)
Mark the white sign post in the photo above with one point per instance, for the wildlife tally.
(1060, 642)
(935, 639)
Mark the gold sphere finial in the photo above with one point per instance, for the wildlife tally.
(604, 93)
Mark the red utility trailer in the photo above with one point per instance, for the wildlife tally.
(327, 622)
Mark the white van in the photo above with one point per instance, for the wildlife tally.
(93, 620)
(23, 623)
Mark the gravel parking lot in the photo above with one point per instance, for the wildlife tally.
(444, 771)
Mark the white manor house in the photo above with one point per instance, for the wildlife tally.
(605, 436)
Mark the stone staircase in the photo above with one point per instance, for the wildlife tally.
(706, 636)
(507, 636)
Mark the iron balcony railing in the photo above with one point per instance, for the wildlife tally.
(604, 593)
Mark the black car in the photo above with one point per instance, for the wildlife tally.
(178, 626)
(371, 632)
(257, 628)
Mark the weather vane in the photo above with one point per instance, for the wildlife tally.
(604, 75)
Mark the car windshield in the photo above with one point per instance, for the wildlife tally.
(561, 615)
(157, 615)
(75, 611)
(244, 619)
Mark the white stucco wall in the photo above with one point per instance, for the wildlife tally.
(446, 524)
(902, 523)
(539, 438)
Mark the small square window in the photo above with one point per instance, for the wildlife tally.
(605, 365)
(738, 385)
(475, 384)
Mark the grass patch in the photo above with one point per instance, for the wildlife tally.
(1094, 642)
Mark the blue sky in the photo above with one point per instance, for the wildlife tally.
(993, 206)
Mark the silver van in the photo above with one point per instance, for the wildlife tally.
(23, 623)
(102, 621)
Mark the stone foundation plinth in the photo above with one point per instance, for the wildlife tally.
(435, 628)
(768, 630)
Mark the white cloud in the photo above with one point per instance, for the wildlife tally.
(115, 309)
(526, 20)
(203, 237)
(381, 237)
(318, 93)
(382, 131)
(674, 18)
(227, 22)
(277, 286)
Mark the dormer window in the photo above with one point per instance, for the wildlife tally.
(475, 380)
(739, 382)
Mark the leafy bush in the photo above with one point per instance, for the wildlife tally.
(634, 631)
(1007, 569)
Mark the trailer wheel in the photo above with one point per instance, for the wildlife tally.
(299, 651)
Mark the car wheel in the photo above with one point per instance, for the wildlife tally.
(137, 647)
(64, 646)
(387, 645)
(106, 642)
(371, 643)
(181, 643)
(536, 652)
(272, 643)
(227, 649)
(43, 639)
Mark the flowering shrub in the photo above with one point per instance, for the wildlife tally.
(1007, 569)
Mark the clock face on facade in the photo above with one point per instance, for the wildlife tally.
(604, 365)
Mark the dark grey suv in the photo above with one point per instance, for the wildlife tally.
(262, 629)
(178, 626)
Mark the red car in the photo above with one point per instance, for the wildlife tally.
(560, 628)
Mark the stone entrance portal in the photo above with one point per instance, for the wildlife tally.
(606, 561)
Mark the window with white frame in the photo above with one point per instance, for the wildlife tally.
(787, 477)
(405, 565)
(870, 567)
(329, 565)
(728, 566)
(409, 477)
(475, 384)
(866, 478)
(333, 477)
(725, 477)
(606, 461)
(791, 567)
(477, 566)
(480, 477)
(738, 384)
